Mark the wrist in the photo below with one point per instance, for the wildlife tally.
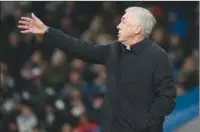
(45, 29)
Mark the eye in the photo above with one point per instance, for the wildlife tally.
(124, 22)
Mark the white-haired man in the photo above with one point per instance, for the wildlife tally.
(140, 88)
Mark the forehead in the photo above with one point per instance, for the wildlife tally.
(128, 16)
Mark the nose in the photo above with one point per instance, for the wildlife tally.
(118, 26)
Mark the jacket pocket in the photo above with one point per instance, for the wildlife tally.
(146, 120)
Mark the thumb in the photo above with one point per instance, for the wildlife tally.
(33, 16)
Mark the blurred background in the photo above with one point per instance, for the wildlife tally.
(43, 89)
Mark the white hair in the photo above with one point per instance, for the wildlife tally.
(145, 18)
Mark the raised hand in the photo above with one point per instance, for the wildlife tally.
(32, 25)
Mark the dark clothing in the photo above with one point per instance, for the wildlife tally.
(140, 87)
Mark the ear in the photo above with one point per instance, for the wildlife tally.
(138, 29)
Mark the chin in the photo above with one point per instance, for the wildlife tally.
(119, 39)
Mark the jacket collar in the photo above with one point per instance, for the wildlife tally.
(137, 47)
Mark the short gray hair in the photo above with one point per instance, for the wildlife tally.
(145, 17)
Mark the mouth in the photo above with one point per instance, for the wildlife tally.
(118, 33)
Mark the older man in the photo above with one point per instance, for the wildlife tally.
(140, 86)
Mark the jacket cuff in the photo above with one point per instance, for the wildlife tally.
(47, 36)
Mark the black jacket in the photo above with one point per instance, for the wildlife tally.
(140, 88)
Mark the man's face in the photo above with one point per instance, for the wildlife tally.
(128, 27)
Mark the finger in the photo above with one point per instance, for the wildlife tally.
(23, 22)
(34, 17)
(25, 31)
(23, 27)
(26, 19)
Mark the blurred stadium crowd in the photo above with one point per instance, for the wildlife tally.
(45, 89)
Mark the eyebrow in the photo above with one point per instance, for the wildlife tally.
(123, 18)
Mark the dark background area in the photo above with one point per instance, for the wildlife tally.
(56, 92)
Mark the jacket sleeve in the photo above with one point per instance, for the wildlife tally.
(164, 101)
(87, 52)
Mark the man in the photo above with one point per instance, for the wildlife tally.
(140, 88)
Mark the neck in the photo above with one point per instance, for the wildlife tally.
(134, 40)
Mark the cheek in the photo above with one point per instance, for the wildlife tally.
(127, 31)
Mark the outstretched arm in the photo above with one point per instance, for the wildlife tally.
(79, 49)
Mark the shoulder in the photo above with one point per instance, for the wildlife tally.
(156, 48)
(158, 53)
(115, 43)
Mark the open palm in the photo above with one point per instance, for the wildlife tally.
(32, 25)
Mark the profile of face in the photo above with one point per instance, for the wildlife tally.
(128, 27)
